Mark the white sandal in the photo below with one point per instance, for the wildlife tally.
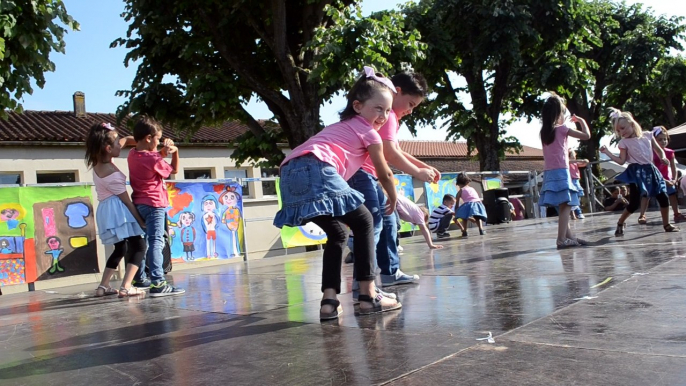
(104, 291)
(133, 291)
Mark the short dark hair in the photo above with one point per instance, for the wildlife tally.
(448, 197)
(463, 179)
(145, 126)
(410, 83)
(363, 90)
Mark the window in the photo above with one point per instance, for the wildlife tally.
(197, 174)
(269, 187)
(55, 178)
(238, 173)
(10, 178)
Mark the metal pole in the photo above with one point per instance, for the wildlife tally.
(531, 193)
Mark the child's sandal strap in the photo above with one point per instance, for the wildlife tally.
(671, 228)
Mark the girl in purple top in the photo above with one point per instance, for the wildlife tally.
(642, 176)
(668, 173)
(558, 190)
(314, 188)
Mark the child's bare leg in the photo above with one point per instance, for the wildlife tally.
(563, 231)
(644, 207)
(106, 276)
(463, 227)
(625, 215)
(478, 224)
(131, 270)
(675, 205)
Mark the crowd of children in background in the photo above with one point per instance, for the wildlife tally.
(339, 179)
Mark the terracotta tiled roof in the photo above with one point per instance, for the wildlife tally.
(64, 126)
(455, 149)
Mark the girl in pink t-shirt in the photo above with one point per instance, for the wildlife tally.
(668, 173)
(574, 165)
(118, 221)
(472, 208)
(636, 147)
(412, 213)
(313, 188)
(558, 189)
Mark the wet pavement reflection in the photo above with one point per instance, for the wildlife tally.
(257, 322)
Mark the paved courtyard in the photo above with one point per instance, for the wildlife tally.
(613, 313)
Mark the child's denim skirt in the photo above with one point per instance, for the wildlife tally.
(646, 177)
(558, 188)
(310, 188)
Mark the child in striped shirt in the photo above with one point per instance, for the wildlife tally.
(441, 217)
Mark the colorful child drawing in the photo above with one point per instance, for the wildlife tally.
(55, 244)
(209, 224)
(5, 247)
(186, 220)
(11, 214)
(231, 217)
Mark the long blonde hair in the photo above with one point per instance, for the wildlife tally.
(622, 119)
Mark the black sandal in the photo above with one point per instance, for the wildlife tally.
(376, 303)
(671, 228)
(620, 230)
(337, 309)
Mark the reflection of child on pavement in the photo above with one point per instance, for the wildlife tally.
(441, 217)
(187, 234)
(209, 224)
(231, 217)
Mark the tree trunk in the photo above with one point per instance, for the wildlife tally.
(488, 154)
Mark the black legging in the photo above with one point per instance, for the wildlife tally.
(135, 249)
(635, 199)
(361, 223)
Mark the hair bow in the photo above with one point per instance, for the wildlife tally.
(614, 114)
(657, 130)
(107, 126)
(371, 73)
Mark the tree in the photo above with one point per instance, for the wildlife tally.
(605, 62)
(292, 55)
(496, 46)
(28, 35)
(662, 100)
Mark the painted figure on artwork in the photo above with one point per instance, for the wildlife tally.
(231, 217)
(5, 247)
(209, 224)
(56, 250)
(186, 220)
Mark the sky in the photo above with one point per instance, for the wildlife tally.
(90, 66)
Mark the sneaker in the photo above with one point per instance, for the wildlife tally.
(568, 243)
(400, 249)
(164, 289)
(464, 234)
(145, 283)
(389, 295)
(482, 232)
(398, 278)
(442, 235)
(350, 258)
(580, 216)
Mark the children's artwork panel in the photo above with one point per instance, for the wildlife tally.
(404, 187)
(46, 233)
(304, 235)
(436, 191)
(205, 220)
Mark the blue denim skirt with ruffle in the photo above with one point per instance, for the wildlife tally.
(311, 188)
(558, 188)
(647, 179)
(471, 209)
(578, 186)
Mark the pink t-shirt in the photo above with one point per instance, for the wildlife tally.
(388, 132)
(574, 170)
(112, 185)
(666, 170)
(556, 155)
(409, 211)
(639, 150)
(342, 145)
(147, 171)
(469, 194)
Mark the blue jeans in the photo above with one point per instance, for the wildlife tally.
(154, 235)
(385, 227)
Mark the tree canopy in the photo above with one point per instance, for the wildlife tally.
(201, 64)
(497, 47)
(29, 33)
